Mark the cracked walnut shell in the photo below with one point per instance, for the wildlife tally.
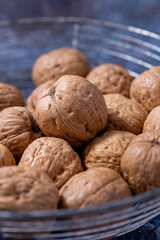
(140, 162)
(93, 187)
(73, 109)
(107, 150)
(63, 61)
(110, 78)
(153, 121)
(124, 114)
(54, 156)
(6, 157)
(10, 96)
(16, 129)
(26, 189)
(145, 88)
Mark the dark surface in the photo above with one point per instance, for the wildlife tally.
(141, 13)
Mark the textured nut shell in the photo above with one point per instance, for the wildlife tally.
(145, 88)
(10, 96)
(57, 63)
(153, 121)
(55, 157)
(111, 78)
(16, 129)
(140, 162)
(107, 150)
(124, 114)
(93, 187)
(6, 157)
(73, 109)
(33, 98)
(26, 189)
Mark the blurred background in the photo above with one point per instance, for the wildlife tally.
(141, 13)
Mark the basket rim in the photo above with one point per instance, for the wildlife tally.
(81, 21)
(40, 214)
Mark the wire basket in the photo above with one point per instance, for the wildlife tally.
(137, 50)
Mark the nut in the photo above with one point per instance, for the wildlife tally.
(93, 187)
(140, 162)
(26, 189)
(72, 109)
(33, 98)
(107, 150)
(124, 114)
(16, 129)
(54, 156)
(63, 61)
(110, 78)
(10, 96)
(146, 87)
(6, 157)
(153, 121)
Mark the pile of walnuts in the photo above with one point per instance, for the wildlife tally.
(85, 137)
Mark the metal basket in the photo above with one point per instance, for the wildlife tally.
(21, 42)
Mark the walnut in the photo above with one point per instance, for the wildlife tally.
(26, 189)
(145, 88)
(54, 156)
(140, 162)
(6, 157)
(10, 96)
(111, 78)
(33, 98)
(16, 129)
(93, 187)
(124, 114)
(107, 150)
(72, 109)
(153, 121)
(57, 63)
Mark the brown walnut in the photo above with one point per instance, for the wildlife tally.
(140, 162)
(72, 109)
(10, 96)
(107, 150)
(124, 114)
(93, 187)
(145, 88)
(54, 156)
(6, 157)
(16, 129)
(26, 189)
(33, 98)
(110, 78)
(153, 121)
(63, 61)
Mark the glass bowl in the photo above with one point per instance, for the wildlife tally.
(137, 50)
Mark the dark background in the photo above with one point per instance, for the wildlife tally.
(141, 13)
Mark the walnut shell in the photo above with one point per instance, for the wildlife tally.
(55, 157)
(153, 121)
(145, 88)
(26, 189)
(140, 162)
(93, 187)
(10, 96)
(110, 78)
(124, 114)
(63, 61)
(16, 129)
(33, 98)
(107, 150)
(72, 109)
(6, 157)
